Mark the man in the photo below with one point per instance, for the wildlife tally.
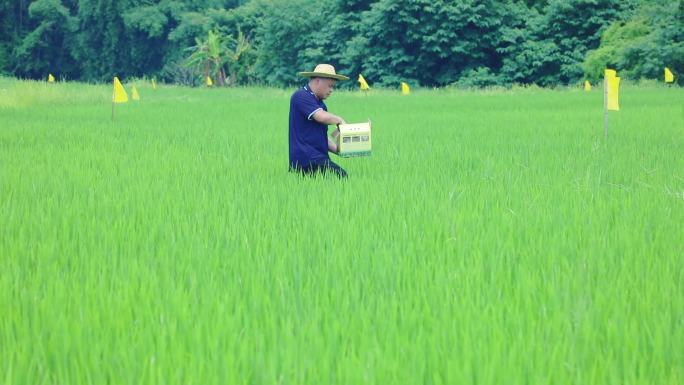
(309, 120)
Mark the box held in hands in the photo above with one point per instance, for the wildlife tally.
(354, 139)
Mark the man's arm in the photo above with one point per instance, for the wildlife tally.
(323, 116)
(332, 146)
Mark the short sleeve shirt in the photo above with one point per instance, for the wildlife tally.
(308, 138)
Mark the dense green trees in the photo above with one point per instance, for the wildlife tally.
(47, 47)
(431, 42)
(423, 42)
(641, 46)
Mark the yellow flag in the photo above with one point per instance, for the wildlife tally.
(154, 84)
(363, 84)
(405, 89)
(612, 90)
(669, 76)
(614, 94)
(587, 85)
(51, 79)
(120, 95)
(134, 93)
(209, 82)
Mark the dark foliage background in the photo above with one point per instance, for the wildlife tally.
(423, 42)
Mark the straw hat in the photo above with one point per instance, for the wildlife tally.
(324, 71)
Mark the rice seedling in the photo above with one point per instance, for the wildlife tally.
(492, 237)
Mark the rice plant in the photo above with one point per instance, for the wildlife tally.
(492, 237)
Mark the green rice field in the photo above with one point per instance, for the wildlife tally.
(492, 237)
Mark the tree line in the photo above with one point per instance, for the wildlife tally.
(422, 42)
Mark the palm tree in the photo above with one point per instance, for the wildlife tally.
(240, 46)
(208, 58)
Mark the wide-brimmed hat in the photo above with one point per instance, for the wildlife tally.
(324, 71)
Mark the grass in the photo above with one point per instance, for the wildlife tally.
(492, 237)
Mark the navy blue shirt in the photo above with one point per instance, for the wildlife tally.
(308, 138)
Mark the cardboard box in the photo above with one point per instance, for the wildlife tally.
(354, 139)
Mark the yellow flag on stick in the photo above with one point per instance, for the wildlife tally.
(134, 93)
(51, 79)
(587, 85)
(209, 82)
(614, 94)
(120, 95)
(363, 84)
(154, 83)
(669, 76)
(612, 90)
(405, 89)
